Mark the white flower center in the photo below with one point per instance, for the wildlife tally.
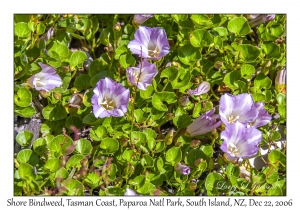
(233, 150)
(136, 75)
(232, 119)
(153, 50)
(108, 103)
(39, 83)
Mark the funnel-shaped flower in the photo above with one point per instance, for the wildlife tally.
(182, 169)
(46, 80)
(239, 141)
(130, 192)
(280, 80)
(204, 124)
(262, 118)
(140, 19)
(141, 76)
(201, 89)
(150, 43)
(110, 99)
(239, 108)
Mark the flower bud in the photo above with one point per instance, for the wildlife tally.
(117, 27)
(204, 124)
(280, 80)
(183, 100)
(140, 19)
(182, 169)
(204, 87)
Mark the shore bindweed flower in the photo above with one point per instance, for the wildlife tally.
(140, 19)
(204, 87)
(150, 43)
(130, 192)
(182, 169)
(238, 108)
(204, 124)
(280, 80)
(109, 99)
(262, 118)
(47, 79)
(141, 77)
(239, 141)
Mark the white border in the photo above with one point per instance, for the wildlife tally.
(8, 8)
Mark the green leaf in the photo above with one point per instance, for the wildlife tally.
(174, 155)
(75, 161)
(182, 121)
(60, 145)
(282, 110)
(120, 50)
(281, 99)
(40, 29)
(109, 145)
(24, 138)
(272, 50)
(138, 180)
(138, 137)
(82, 82)
(127, 60)
(247, 71)
(28, 156)
(218, 42)
(145, 94)
(90, 119)
(213, 182)
(26, 171)
(194, 155)
(61, 173)
(74, 187)
(84, 147)
(54, 112)
(169, 72)
(74, 121)
(262, 81)
(104, 36)
(140, 115)
(275, 191)
(22, 30)
(276, 156)
(97, 77)
(23, 97)
(147, 161)
(159, 98)
(188, 54)
(201, 21)
(97, 133)
(250, 53)
(52, 164)
(201, 38)
(208, 150)
(77, 59)
(178, 18)
(182, 79)
(40, 146)
(221, 31)
(147, 189)
(25, 112)
(232, 170)
(239, 26)
(276, 136)
(92, 180)
(230, 79)
(97, 66)
(62, 50)
(258, 97)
